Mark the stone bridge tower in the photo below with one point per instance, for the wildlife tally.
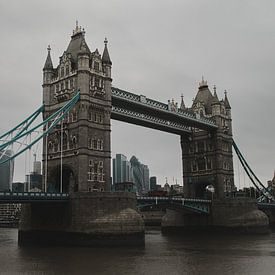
(84, 150)
(207, 156)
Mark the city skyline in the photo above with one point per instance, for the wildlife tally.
(230, 44)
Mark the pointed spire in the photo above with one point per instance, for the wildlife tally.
(78, 29)
(182, 105)
(203, 83)
(215, 96)
(48, 64)
(226, 102)
(106, 57)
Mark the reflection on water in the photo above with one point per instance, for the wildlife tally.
(162, 254)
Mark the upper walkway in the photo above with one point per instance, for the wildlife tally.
(143, 111)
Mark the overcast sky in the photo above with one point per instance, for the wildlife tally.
(159, 49)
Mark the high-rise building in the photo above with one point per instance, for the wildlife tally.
(140, 175)
(153, 183)
(6, 171)
(121, 169)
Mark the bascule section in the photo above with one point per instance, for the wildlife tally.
(76, 153)
(207, 154)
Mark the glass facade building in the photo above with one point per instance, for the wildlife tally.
(6, 171)
(121, 169)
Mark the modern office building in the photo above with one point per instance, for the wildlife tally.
(153, 183)
(6, 171)
(140, 175)
(121, 169)
(34, 179)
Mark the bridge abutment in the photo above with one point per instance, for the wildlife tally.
(88, 219)
(227, 215)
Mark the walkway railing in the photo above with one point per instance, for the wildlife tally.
(27, 197)
(142, 100)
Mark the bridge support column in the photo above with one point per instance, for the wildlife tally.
(227, 215)
(88, 219)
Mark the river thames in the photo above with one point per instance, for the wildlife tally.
(162, 254)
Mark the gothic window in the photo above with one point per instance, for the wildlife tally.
(100, 118)
(100, 171)
(96, 66)
(98, 144)
(91, 163)
(67, 84)
(90, 174)
(201, 146)
(74, 116)
(201, 164)
(101, 145)
(65, 142)
(96, 117)
(62, 86)
(97, 81)
(94, 144)
(50, 147)
(208, 164)
(194, 166)
(201, 112)
(74, 142)
(71, 83)
(67, 70)
(55, 148)
(62, 72)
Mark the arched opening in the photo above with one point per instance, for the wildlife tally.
(67, 183)
(200, 189)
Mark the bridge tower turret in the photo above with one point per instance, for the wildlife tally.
(84, 150)
(207, 155)
(48, 73)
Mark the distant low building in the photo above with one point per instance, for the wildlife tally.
(18, 186)
(125, 186)
(176, 189)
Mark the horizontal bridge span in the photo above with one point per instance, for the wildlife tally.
(194, 205)
(149, 121)
(30, 197)
(143, 105)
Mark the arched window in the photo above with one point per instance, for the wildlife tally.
(65, 141)
(74, 116)
(50, 147)
(67, 69)
(74, 142)
(62, 72)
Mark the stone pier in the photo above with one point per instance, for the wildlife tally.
(229, 215)
(88, 219)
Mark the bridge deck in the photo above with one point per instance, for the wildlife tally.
(140, 110)
(30, 197)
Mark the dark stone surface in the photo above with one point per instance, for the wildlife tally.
(88, 219)
(227, 215)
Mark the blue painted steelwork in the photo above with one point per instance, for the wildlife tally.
(144, 102)
(151, 119)
(53, 119)
(194, 205)
(30, 197)
(266, 205)
(252, 176)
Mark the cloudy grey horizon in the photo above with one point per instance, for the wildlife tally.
(159, 49)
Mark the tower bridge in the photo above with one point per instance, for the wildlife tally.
(77, 151)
